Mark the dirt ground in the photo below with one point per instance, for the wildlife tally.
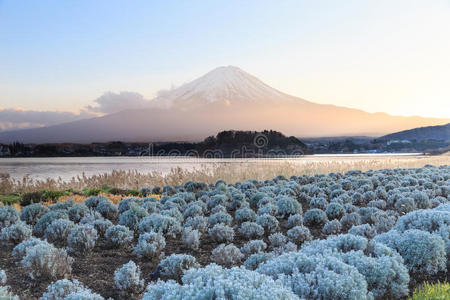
(96, 270)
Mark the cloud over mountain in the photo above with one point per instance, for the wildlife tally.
(19, 118)
(111, 102)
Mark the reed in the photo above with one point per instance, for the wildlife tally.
(230, 172)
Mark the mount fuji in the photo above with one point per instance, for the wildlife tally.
(225, 98)
(226, 85)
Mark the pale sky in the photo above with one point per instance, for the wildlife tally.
(380, 55)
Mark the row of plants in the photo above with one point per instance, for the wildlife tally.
(53, 195)
(358, 235)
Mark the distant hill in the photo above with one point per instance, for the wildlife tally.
(226, 97)
(441, 133)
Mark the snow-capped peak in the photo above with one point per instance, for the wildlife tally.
(228, 84)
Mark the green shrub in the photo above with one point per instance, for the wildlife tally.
(428, 291)
(135, 193)
(10, 199)
(92, 191)
(52, 195)
(115, 191)
(32, 197)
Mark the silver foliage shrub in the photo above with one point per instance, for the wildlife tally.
(270, 209)
(62, 205)
(198, 223)
(369, 215)
(30, 214)
(128, 279)
(332, 227)
(364, 230)
(15, 233)
(93, 201)
(350, 220)
(245, 214)
(277, 239)
(102, 225)
(436, 221)
(125, 204)
(251, 230)
(334, 211)
(8, 216)
(46, 220)
(227, 255)
(45, 261)
(193, 211)
(150, 244)
(81, 239)
(191, 238)
(77, 212)
(160, 223)
(405, 205)
(315, 217)
(175, 265)
(385, 222)
(382, 268)
(131, 217)
(288, 247)
(423, 253)
(58, 231)
(218, 208)
(316, 276)
(118, 236)
(380, 204)
(299, 234)
(252, 247)
(288, 206)
(174, 213)
(295, 220)
(318, 202)
(268, 222)
(19, 251)
(214, 282)
(108, 210)
(90, 218)
(421, 199)
(254, 260)
(220, 217)
(68, 289)
(221, 233)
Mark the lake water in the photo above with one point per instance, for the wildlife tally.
(68, 167)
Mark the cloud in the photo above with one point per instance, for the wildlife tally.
(19, 118)
(164, 92)
(111, 102)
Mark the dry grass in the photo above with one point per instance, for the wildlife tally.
(115, 199)
(230, 172)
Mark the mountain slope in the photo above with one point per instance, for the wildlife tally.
(225, 98)
(423, 133)
(224, 84)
